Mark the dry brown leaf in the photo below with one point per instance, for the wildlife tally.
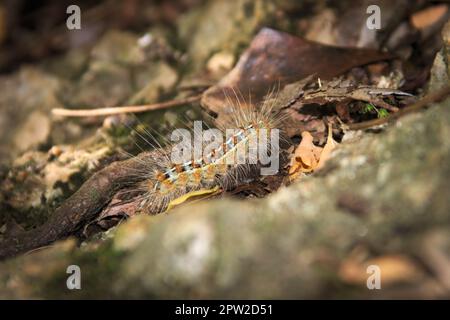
(327, 149)
(428, 16)
(394, 269)
(307, 157)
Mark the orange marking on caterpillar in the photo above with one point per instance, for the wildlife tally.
(173, 181)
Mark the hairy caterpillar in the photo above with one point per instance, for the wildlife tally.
(226, 165)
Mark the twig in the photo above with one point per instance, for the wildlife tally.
(81, 208)
(419, 105)
(124, 109)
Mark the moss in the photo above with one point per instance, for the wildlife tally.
(99, 266)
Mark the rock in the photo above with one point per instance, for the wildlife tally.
(223, 25)
(119, 47)
(440, 72)
(321, 27)
(34, 132)
(220, 63)
(27, 96)
(104, 84)
(123, 66)
(155, 80)
(70, 66)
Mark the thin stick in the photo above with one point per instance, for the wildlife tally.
(124, 109)
(430, 98)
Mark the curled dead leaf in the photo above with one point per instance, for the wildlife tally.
(327, 149)
(307, 157)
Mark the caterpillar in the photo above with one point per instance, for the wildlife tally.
(250, 147)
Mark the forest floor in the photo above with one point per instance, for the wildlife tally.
(364, 183)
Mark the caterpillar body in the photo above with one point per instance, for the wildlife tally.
(225, 165)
